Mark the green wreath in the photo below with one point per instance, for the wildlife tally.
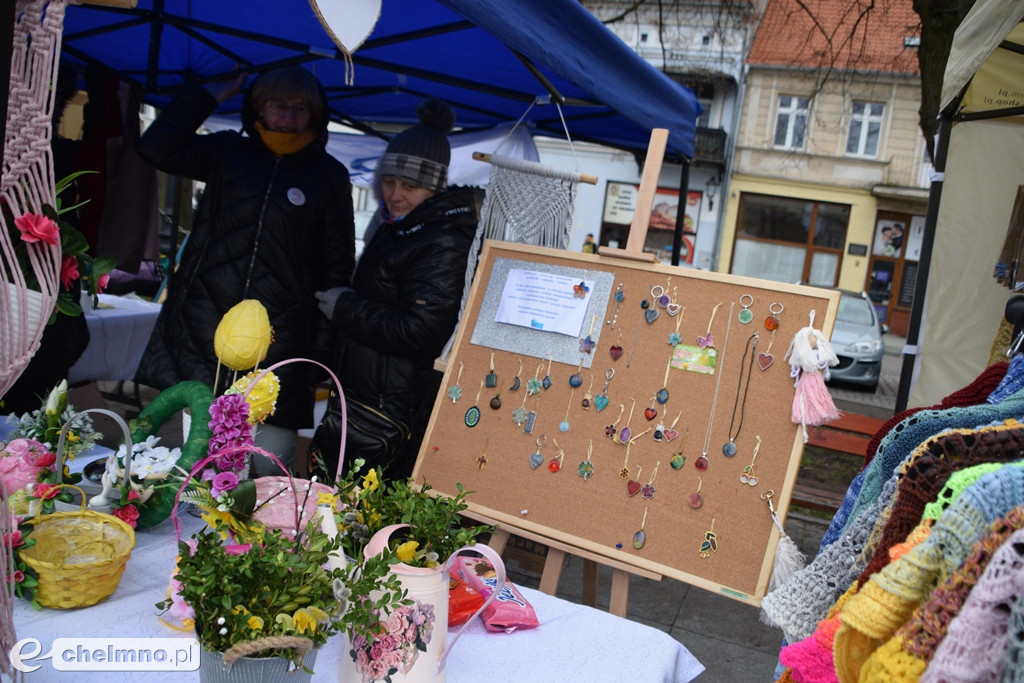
(197, 397)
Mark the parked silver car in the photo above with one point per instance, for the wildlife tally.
(857, 341)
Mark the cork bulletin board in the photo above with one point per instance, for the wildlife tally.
(682, 385)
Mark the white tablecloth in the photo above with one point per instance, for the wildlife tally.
(118, 333)
(573, 642)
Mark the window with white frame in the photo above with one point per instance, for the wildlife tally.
(865, 129)
(791, 122)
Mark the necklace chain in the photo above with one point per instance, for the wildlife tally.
(736, 401)
(718, 382)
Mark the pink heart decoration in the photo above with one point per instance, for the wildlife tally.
(633, 487)
(672, 309)
(765, 360)
(669, 434)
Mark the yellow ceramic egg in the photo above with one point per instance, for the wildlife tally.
(243, 335)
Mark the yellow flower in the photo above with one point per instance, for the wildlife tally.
(254, 623)
(370, 481)
(72, 437)
(325, 498)
(318, 614)
(374, 519)
(238, 609)
(304, 621)
(212, 516)
(407, 551)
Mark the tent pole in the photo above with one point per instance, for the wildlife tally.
(910, 351)
(684, 186)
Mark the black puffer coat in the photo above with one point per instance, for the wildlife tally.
(404, 307)
(272, 228)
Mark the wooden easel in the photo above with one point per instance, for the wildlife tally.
(557, 551)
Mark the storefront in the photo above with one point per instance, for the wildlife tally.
(892, 273)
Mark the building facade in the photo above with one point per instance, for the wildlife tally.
(829, 174)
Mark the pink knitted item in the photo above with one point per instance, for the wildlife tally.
(811, 659)
(976, 642)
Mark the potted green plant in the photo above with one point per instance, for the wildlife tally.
(420, 531)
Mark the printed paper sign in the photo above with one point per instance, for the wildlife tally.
(544, 301)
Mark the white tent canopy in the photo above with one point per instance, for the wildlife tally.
(983, 168)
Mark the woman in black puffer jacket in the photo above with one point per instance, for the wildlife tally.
(275, 224)
(404, 301)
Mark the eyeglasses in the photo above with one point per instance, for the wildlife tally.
(299, 110)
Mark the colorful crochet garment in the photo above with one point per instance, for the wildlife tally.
(924, 478)
(906, 655)
(976, 642)
(889, 598)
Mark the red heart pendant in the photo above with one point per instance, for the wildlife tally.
(616, 351)
(669, 434)
(633, 487)
(650, 413)
(765, 360)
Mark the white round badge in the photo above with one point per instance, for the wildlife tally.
(296, 196)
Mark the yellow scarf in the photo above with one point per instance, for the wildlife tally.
(284, 143)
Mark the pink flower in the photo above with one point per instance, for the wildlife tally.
(45, 491)
(222, 483)
(377, 670)
(410, 633)
(36, 228)
(193, 545)
(68, 271)
(20, 448)
(181, 610)
(376, 650)
(13, 539)
(362, 658)
(128, 514)
(133, 495)
(388, 642)
(101, 282)
(237, 549)
(17, 577)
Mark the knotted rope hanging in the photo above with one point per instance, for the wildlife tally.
(27, 183)
(526, 203)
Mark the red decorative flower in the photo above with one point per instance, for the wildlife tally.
(36, 228)
(17, 577)
(129, 514)
(101, 282)
(133, 495)
(68, 271)
(46, 460)
(45, 491)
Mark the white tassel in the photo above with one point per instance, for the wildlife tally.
(788, 559)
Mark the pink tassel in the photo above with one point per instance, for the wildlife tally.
(812, 404)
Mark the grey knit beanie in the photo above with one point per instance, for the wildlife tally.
(420, 155)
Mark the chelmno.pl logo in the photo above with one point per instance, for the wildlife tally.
(108, 654)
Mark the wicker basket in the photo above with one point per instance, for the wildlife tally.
(79, 556)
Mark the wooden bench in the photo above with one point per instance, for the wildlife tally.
(848, 436)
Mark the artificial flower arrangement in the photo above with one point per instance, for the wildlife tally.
(152, 473)
(47, 228)
(19, 575)
(29, 459)
(386, 639)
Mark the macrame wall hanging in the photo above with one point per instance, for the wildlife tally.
(27, 184)
(527, 202)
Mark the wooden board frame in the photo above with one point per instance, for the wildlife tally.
(598, 514)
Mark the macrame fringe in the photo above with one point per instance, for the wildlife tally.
(526, 203)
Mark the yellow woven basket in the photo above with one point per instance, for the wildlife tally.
(79, 556)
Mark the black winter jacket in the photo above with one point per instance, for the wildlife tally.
(272, 228)
(404, 307)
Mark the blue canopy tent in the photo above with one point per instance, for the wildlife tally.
(491, 59)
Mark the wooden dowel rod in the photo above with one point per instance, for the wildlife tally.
(584, 177)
